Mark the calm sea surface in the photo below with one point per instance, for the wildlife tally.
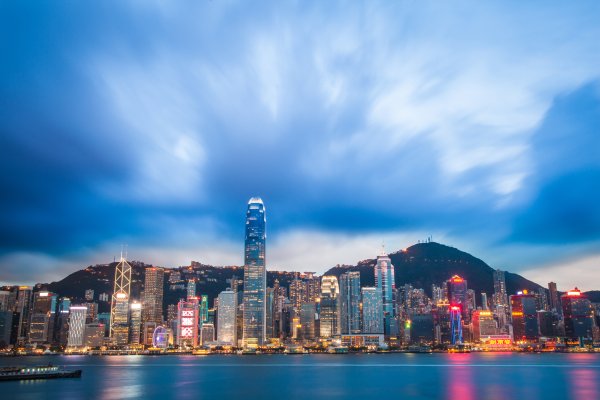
(361, 376)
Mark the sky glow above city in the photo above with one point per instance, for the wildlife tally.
(152, 123)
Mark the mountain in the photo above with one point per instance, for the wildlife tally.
(210, 281)
(420, 265)
(424, 264)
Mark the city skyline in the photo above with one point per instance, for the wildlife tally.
(150, 124)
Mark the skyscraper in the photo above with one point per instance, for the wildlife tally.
(554, 298)
(372, 310)
(191, 289)
(23, 307)
(384, 279)
(458, 295)
(500, 297)
(187, 323)
(255, 275)
(350, 302)
(524, 316)
(484, 301)
(77, 315)
(226, 317)
(44, 305)
(119, 308)
(329, 317)
(153, 295)
(135, 322)
(578, 315)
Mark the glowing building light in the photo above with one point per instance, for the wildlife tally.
(456, 279)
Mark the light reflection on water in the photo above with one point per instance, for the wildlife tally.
(415, 376)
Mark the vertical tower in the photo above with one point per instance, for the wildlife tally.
(191, 289)
(384, 278)
(372, 311)
(524, 316)
(135, 323)
(500, 295)
(350, 302)
(76, 333)
(119, 307)
(458, 295)
(578, 315)
(255, 274)
(456, 324)
(226, 318)
(187, 323)
(153, 295)
(554, 298)
(23, 307)
(44, 305)
(329, 318)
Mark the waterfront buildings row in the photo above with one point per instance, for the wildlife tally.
(310, 310)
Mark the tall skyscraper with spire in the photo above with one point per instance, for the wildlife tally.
(255, 274)
(119, 307)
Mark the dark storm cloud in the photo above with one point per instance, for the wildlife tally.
(154, 123)
(566, 186)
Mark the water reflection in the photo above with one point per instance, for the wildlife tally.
(460, 379)
(584, 383)
(121, 379)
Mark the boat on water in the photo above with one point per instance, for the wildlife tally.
(37, 372)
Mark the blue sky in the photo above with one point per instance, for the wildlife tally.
(152, 124)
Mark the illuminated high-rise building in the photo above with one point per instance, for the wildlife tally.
(523, 311)
(187, 323)
(135, 323)
(458, 295)
(119, 309)
(350, 302)
(372, 310)
(207, 333)
(61, 330)
(94, 335)
(456, 330)
(500, 296)
(484, 324)
(578, 315)
(297, 292)
(76, 336)
(153, 295)
(191, 289)
(384, 280)
(255, 274)
(484, 301)
(23, 308)
(329, 318)
(204, 317)
(307, 320)
(42, 312)
(226, 318)
(554, 297)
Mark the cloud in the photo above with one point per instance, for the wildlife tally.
(154, 123)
